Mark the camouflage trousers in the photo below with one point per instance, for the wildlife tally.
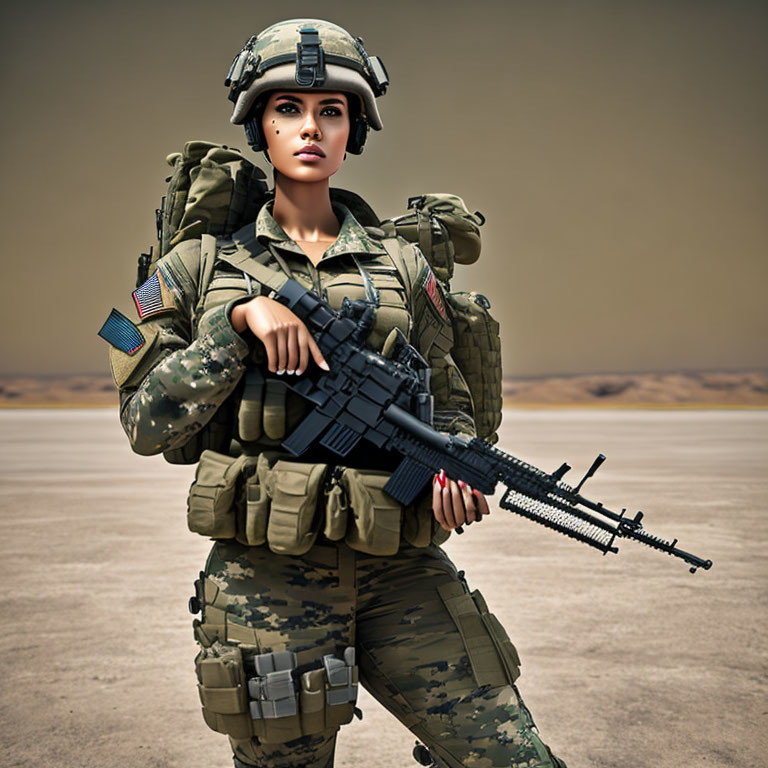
(411, 655)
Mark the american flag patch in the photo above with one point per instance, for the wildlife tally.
(121, 333)
(153, 296)
(434, 294)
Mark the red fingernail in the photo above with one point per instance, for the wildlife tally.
(441, 478)
(462, 484)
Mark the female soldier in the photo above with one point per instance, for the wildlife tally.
(294, 609)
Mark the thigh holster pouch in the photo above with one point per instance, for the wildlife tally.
(222, 689)
(267, 696)
(492, 655)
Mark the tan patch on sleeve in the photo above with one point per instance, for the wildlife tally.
(124, 365)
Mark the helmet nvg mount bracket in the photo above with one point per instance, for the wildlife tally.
(306, 54)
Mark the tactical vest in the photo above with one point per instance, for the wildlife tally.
(265, 409)
(263, 495)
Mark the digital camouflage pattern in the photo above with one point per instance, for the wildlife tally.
(353, 238)
(411, 656)
(281, 38)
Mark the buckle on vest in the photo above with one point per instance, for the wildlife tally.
(310, 59)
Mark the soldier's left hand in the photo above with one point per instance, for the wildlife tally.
(456, 503)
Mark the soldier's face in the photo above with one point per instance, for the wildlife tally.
(306, 133)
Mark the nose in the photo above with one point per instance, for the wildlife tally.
(310, 129)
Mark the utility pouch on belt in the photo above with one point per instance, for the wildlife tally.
(294, 522)
(211, 501)
(374, 525)
(493, 658)
(336, 506)
(252, 530)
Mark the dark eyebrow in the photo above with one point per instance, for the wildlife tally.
(297, 100)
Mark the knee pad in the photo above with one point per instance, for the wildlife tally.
(247, 694)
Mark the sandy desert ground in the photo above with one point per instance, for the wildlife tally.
(628, 660)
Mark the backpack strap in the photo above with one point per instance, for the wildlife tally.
(393, 248)
(424, 229)
(207, 261)
(248, 258)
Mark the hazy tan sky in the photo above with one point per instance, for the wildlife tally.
(617, 150)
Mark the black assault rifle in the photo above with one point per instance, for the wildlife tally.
(387, 401)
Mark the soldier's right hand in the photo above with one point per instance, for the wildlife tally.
(285, 337)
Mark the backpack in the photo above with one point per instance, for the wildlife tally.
(214, 190)
(448, 234)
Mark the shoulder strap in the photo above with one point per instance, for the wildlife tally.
(393, 248)
(247, 258)
(207, 261)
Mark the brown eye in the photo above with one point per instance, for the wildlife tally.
(331, 112)
(286, 108)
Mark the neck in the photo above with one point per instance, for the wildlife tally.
(303, 209)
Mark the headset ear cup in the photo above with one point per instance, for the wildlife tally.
(253, 134)
(357, 135)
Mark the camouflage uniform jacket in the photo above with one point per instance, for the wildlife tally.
(185, 378)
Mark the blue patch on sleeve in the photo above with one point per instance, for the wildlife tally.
(121, 333)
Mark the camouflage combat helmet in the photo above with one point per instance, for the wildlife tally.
(306, 54)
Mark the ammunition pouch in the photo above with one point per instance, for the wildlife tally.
(294, 490)
(492, 655)
(211, 500)
(287, 504)
(254, 513)
(375, 522)
(245, 693)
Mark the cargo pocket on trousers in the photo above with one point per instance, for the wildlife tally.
(211, 501)
(491, 654)
(222, 690)
(504, 645)
(293, 520)
(375, 519)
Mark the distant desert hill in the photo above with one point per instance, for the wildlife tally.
(712, 389)
(634, 389)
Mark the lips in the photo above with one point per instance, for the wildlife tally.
(310, 149)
